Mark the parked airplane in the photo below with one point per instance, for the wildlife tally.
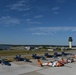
(5, 62)
(52, 63)
(35, 56)
(68, 60)
(65, 54)
(48, 56)
(19, 58)
(57, 54)
(56, 63)
(64, 61)
(74, 56)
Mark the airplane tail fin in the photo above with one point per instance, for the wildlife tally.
(39, 62)
(59, 64)
(64, 61)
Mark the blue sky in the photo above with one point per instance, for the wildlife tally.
(37, 22)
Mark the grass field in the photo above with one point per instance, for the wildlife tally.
(22, 52)
(10, 54)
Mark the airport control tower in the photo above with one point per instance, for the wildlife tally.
(70, 42)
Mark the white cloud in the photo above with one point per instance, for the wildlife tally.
(28, 19)
(38, 16)
(21, 5)
(9, 21)
(43, 33)
(53, 29)
(56, 12)
(43, 9)
(55, 8)
(31, 21)
(39, 33)
(26, 14)
(74, 30)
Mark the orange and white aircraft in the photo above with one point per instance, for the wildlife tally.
(68, 60)
(56, 63)
(74, 56)
(53, 64)
(64, 61)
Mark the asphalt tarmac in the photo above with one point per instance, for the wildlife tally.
(26, 68)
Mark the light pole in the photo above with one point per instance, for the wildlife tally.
(70, 42)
